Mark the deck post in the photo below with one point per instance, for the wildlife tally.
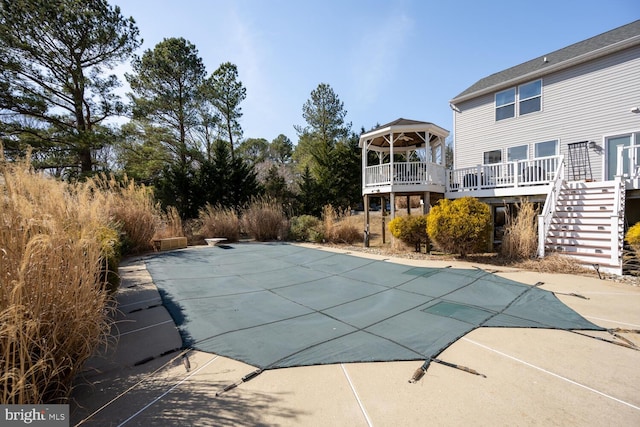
(492, 226)
(426, 202)
(366, 221)
(392, 205)
(383, 207)
(408, 205)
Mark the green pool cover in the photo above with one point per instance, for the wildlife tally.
(281, 305)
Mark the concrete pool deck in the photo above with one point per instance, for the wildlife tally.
(533, 376)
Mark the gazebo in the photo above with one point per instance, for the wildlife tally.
(403, 158)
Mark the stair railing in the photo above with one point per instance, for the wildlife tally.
(544, 219)
(631, 154)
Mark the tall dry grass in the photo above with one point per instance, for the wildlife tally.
(338, 227)
(134, 209)
(264, 220)
(53, 302)
(520, 240)
(554, 263)
(219, 222)
(414, 202)
(169, 224)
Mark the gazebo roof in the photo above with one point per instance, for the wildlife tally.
(403, 133)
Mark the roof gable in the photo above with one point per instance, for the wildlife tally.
(565, 57)
(408, 132)
(401, 122)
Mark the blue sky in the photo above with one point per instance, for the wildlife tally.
(384, 59)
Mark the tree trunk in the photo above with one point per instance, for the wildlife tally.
(86, 161)
(230, 139)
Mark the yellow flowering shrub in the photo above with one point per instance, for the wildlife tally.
(633, 237)
(411, 229)
(460, 226)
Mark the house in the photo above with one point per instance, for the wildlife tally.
(562, 130)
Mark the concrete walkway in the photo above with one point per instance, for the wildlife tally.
(533, 377)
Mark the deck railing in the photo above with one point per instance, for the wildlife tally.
(544, 219)
(628, 161)
(404, 173)
(377, 175)
(500, 175)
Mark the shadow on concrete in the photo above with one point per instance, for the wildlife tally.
(193, 403)
(179, 316)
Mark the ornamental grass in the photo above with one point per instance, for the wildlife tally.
(264, 220)
(60, 245)
(338, 226)
(520, 240)
(53, 294)
(223, 222)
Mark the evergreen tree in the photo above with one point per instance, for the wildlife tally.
(345, 175)
(327, 152)
(140, 151)
(309, 200)
(176, 186)
(280, 149)
(166, 89)
(325, 114)
(54, 92)
(226, 93)
(225, 181)
(275, 187)
(255, 150)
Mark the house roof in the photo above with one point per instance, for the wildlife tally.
(403, 133)
(594, 47)
(402, 122)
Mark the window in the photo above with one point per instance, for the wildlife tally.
(491, 157)
(546, 149)
(506, 104)
(517, 153)
(530, 96)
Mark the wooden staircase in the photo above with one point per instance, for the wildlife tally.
(585, 224)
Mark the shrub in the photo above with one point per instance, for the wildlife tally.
(337, 227)
(633, 237)
(411, 229)
(306, 228)
(54, 240)
(459, 226)
(264, 220)
(520, 240)
(219, 222)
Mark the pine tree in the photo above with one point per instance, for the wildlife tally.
(54, 91)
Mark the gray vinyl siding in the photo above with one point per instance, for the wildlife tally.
(583, 103)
